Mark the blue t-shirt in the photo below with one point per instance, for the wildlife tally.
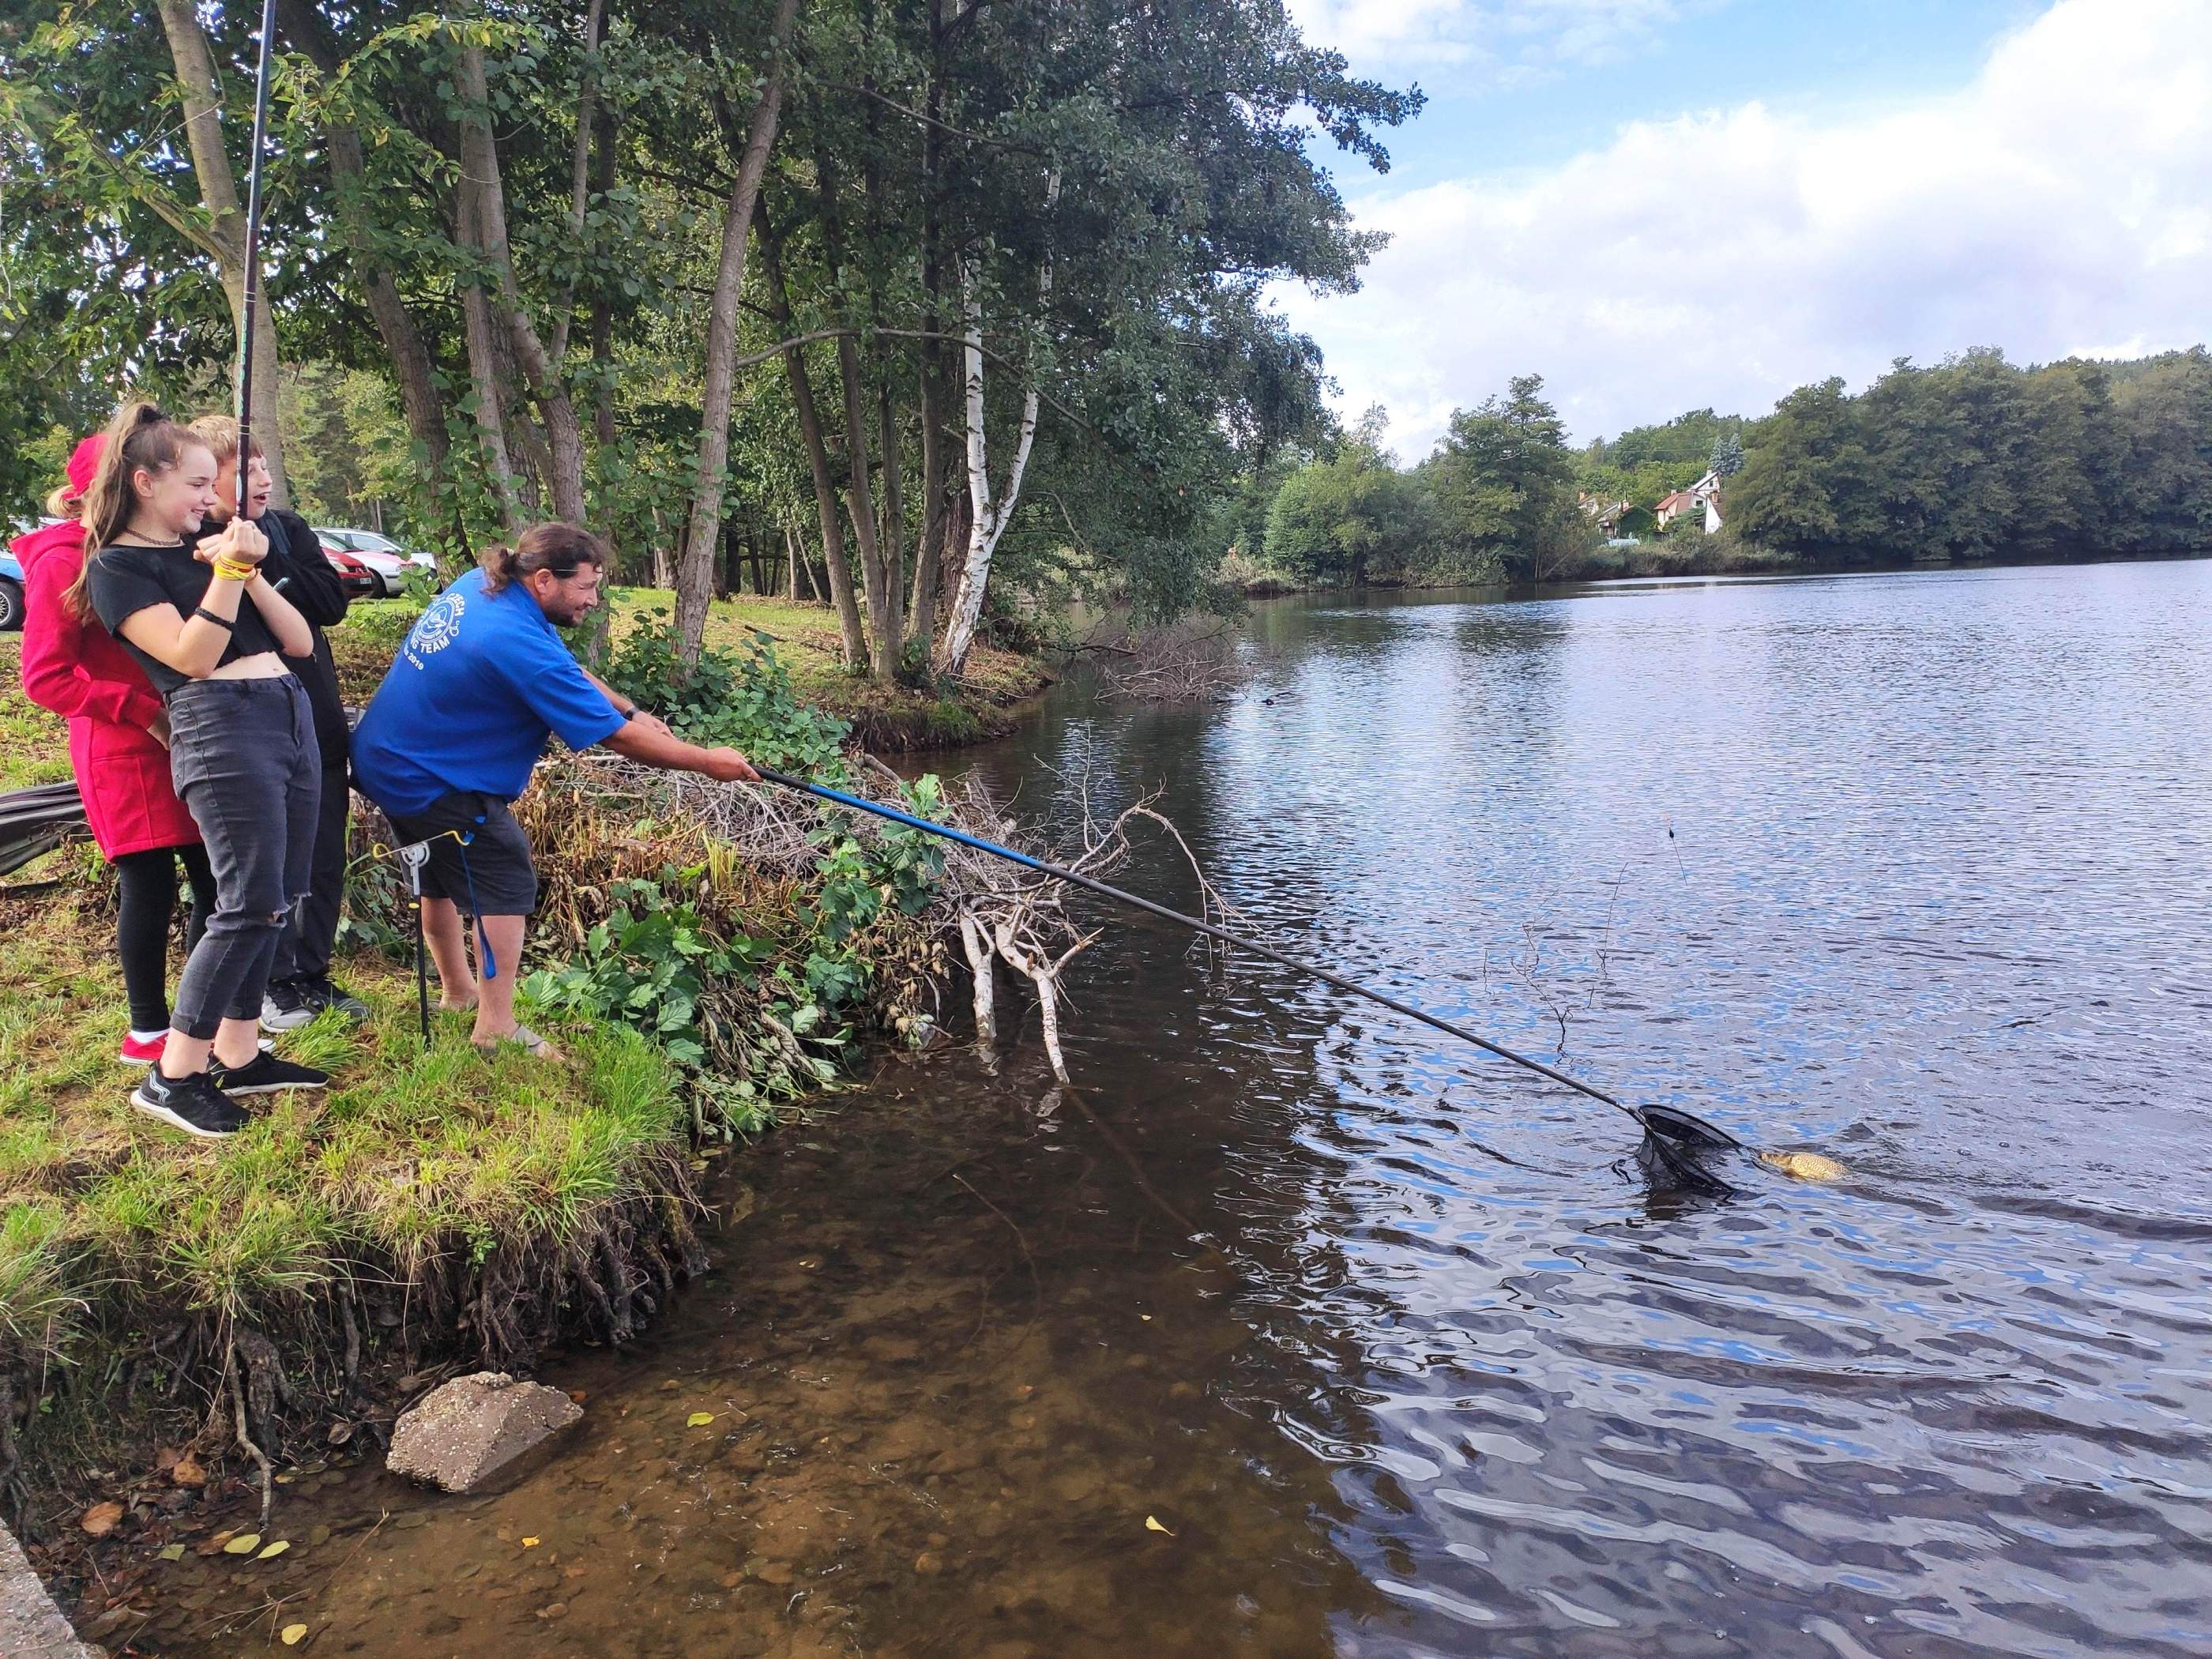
(468, 703)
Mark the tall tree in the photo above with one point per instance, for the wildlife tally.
(694, 572)
(1505, 480)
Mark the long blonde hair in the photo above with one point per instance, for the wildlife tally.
(140, 439)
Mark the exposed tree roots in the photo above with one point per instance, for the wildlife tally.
(322, 1369)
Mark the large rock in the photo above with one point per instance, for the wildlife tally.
(30, 1625)
(461, 1433)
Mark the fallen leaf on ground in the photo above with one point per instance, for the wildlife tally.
(1152, 1524)
(291, 1635)
(245, 1544)
(530, 1543)
(698, 1419)
(187, 1472)
(165, 1458)
(173, 1552)
(101, 1519)
(276, 1549)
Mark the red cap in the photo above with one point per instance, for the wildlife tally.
(84, 461)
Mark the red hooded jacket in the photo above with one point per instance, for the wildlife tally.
(77, 670)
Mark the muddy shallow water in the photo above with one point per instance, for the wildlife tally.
(1289, 1331)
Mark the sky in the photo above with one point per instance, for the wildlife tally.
(1662, 206)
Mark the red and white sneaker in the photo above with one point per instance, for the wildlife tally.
(142, 1049)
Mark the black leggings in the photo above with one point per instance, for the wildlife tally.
(142, 924)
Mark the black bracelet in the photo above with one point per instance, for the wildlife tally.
(223, 623)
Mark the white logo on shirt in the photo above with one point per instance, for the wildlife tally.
(437, 628)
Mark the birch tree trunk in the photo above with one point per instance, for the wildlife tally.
(991, 512)
(929, 553)
(194, 59)
(695, 575)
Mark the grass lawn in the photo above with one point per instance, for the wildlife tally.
(804, 639)
(33, 744)
(806, 642)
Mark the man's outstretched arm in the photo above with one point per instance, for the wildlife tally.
(652, 742)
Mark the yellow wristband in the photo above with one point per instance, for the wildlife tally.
(235, 570)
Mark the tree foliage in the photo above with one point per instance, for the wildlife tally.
(1976, 457)
(977, 227)
(1352, 520)
(1506, 481)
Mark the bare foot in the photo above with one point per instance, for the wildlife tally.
(520, 1036)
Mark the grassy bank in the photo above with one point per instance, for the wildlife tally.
(1719, 554)
(431, 1203)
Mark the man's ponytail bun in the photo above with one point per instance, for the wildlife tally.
(559, 548)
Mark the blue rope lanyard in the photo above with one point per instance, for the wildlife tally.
(463, 839)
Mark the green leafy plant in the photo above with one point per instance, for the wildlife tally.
(743, 698)
(643, 965)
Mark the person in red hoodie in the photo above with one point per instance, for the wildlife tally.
(119, 749)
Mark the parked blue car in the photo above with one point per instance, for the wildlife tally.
(11, 591)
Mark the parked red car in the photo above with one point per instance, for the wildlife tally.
(358, 582)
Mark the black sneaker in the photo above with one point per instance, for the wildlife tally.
(193, 1103)
(264, 1075)
(322, 994)
(285, 1005)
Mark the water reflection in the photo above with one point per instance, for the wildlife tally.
(1391, 1344)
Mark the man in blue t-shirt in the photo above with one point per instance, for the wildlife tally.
(451, 736)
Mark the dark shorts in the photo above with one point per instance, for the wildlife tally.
(491, 874)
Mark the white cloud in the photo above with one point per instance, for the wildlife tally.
(2061, 203)
(1475, 41)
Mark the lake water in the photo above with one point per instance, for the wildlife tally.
(1293, 1328)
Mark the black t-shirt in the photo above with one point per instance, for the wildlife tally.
(295, 567)
(125, 580)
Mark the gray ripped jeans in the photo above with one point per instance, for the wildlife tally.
(246, 763)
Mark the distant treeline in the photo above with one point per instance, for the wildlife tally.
(1972, 459)
(1977, 457)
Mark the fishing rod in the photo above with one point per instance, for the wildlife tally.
(1664, 1123)
(250, 301)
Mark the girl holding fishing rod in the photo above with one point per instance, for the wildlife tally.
(118, 744)
(210, 634)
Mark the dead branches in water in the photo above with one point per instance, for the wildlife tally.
(1006, 914)
(1195, 660)
(1000, 913)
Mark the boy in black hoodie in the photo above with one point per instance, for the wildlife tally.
(300, 985)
